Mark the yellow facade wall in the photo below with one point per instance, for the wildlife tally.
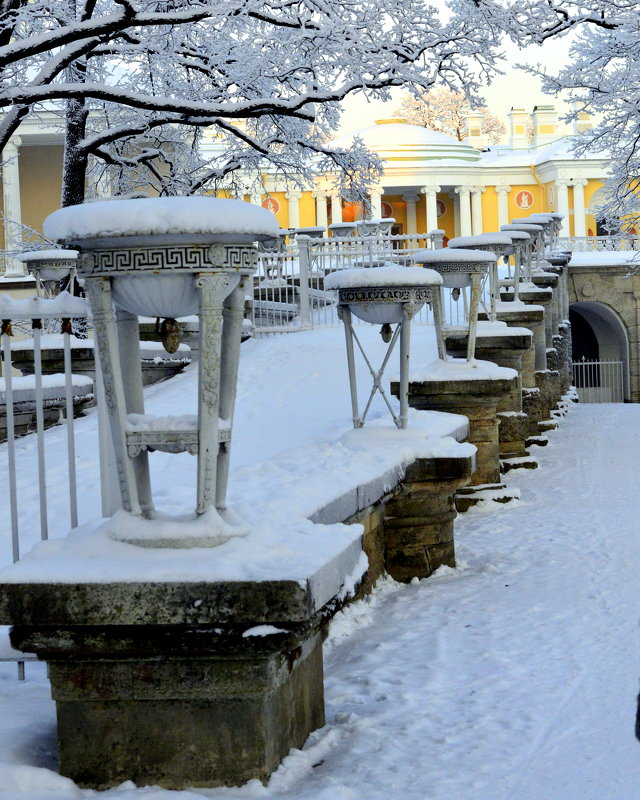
(490, 210)
(447, 222)
(307, 210)
(589, 190)
(40, 183)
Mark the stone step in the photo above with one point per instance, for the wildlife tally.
(470, 496)
(546, 425)
(540, 441)
(520, 462)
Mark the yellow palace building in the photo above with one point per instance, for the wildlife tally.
(430, 180)
(434, 181)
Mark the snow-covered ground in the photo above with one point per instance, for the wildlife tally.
(513, 677)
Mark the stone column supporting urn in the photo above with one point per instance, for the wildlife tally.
(475, 391)
(164, 683)
(505, 346)
(418, 520)
(521, 315)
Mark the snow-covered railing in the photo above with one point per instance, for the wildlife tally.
(289, 289)
(591, 244)
(41, 396)
(43, 391)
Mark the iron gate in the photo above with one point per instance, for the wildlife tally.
(599, 381)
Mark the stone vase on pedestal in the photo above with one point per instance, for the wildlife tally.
(165, 678)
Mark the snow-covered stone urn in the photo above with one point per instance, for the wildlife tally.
(499, 243)
(385, 296)
(343, 230)
(537, 235)
(380, 226)
(522, 254)
(461, 269)
(167, 258)
(49, 267)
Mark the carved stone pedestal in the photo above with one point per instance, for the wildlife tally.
(565, 356)
(506, 348)
(418, 519)
(166, 684)
(549, 281)
(478, 401)
(531, 317)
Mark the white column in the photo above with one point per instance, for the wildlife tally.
(321, 209)
(256, 198)
(476, 210)
(563, 205)
(375, 200)
(294, 209)
(412, 216)
(465, 209)
(579, 218)
(431, 197)
(503, 204)
(11, 200)
(336, 208)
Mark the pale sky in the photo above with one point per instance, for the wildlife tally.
(514, 88)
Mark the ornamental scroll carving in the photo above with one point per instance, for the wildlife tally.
(460, 266)
(171, 257)
(213, 288)
(393, 294)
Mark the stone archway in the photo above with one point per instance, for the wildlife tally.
(607, 299)
(599, 335)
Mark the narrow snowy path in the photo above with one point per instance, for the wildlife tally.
(513, 677)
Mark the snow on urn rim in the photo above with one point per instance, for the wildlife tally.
(450, 255)
(160, 216)
(382, 277)
(47, 255)
(480, 240)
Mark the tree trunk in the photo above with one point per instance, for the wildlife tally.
(75, 159)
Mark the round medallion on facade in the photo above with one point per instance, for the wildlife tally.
(271, 204)
(524, 200)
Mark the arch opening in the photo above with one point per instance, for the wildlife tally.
(600, 353)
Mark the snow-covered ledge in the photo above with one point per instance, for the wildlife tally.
(238, 623)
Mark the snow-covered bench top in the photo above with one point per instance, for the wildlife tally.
(459, 369)
(391, 275)
(53, 387)
(63, 305)
(159, 216)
